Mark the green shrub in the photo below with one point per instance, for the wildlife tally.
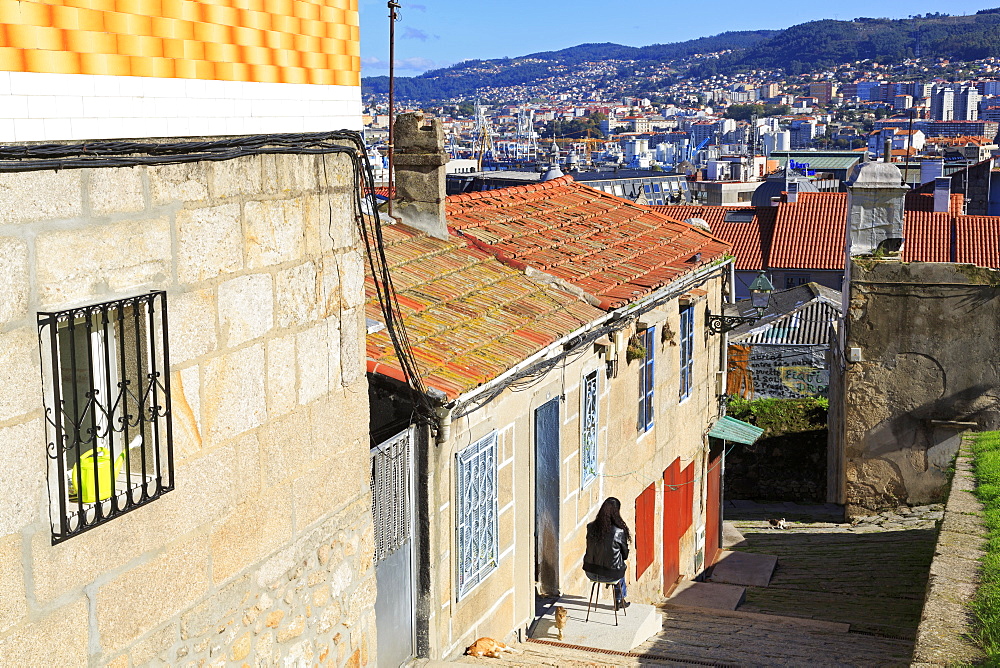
(781, 416)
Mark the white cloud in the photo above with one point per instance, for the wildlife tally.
(416, 64)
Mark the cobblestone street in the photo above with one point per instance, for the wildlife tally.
(870, 575)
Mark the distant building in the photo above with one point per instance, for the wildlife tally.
(943, 104)
(823, 91)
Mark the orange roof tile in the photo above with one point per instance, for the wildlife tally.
(609, 247)
(468, 317)
(751, 241)
(977, 240)
(810, 233)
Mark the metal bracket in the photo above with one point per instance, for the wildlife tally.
(720, 324)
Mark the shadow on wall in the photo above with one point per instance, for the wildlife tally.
(907, 459)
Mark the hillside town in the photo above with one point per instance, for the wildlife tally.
(703, 128)
(563, 373)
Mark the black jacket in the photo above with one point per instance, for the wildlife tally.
(606, 555)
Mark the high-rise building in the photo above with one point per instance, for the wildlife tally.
(943, 104)
(966, 104)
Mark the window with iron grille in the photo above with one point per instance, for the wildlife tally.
(687, 350)
(478, 542)
(106, 377)
(646, 381)
(390, 483)
(588, 435)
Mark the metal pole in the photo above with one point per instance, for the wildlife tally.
(393, 17)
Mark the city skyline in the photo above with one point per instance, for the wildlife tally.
(437, 33)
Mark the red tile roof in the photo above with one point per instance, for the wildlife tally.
(609, 247)
(810, 233)
(468, 317)
(751, 241)
(977, 240)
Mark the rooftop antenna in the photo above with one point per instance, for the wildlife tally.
(393, 17)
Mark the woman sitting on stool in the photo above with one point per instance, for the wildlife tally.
(607, 548)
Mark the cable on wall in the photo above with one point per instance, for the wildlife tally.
(99, 154)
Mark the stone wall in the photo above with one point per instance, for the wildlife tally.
(925, 333)
(791, 467)
(943, 637)
(263, 552)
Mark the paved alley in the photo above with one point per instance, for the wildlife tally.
(841, 595)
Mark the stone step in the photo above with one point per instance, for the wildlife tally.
(707, 595)
(732, 537)
(634, 625)
(743, 568)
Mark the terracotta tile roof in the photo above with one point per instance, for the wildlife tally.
(927, 236)
(977, 240)
(925, 202)
(751, 241)
(809, 234)
(468, 317)
(609, 247)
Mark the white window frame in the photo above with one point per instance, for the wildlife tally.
(476, 511)
(589, 427)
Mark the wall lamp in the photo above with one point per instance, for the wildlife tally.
(760, 296)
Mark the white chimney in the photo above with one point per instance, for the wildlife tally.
(942, 194)
(875, 195)
(792, 192)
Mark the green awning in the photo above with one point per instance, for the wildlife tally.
(731, 429)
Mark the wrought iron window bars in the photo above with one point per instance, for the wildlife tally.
(106, 378)
(476, 529)
(589, 429)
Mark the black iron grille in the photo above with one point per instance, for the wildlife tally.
(106, 378)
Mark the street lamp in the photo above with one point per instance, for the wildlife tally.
(760, 293)
(760, 296)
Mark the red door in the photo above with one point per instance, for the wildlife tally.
(713, 525)
(673, 500)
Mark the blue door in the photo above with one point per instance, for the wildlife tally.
(547, 498)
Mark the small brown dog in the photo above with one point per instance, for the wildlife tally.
(489, 647)
(561, 617)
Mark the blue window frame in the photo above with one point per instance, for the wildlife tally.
(646, 376)
(687, 350)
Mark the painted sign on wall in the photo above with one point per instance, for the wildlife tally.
(784, 372)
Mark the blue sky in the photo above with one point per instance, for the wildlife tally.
(438, 33)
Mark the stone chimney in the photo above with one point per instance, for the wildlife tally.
(942, 194)
(419, 159)
(875, 197)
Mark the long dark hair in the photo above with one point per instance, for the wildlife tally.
(608, 517)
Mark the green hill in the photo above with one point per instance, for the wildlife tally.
(801, 48)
